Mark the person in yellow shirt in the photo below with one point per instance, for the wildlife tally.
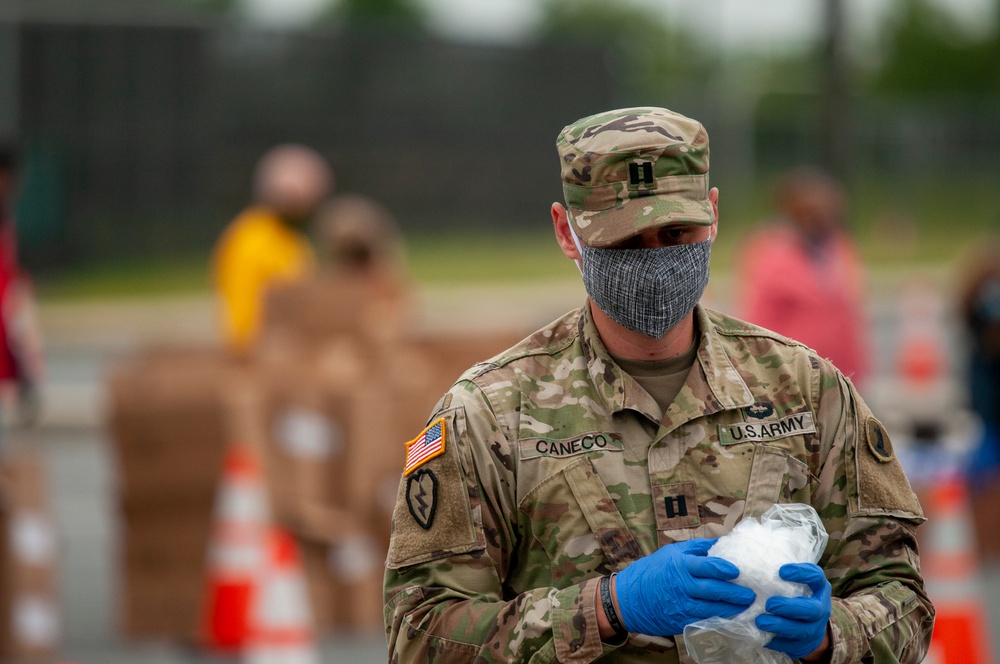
(266, 245)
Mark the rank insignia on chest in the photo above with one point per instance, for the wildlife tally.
(426, 446)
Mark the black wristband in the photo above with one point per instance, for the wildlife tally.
(609, 607)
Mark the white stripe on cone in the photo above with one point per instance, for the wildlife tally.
(282, 629)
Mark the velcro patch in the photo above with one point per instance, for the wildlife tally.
(435, 503)
(761, 430)
(426, 446)
(882, 487)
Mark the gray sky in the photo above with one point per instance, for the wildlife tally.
(760, 24)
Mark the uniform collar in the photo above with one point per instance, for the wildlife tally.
(712, 386)
(616, 388)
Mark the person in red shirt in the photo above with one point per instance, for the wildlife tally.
(21, 363)
(801, 274)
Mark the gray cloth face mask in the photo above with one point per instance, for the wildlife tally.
(646, 290)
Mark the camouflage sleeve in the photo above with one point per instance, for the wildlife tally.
(881, 611)
(446, 599)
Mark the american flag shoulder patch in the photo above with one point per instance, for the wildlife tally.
(426, 446)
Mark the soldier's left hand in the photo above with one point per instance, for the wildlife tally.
(798, 623)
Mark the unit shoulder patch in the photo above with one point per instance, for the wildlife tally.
(878, 440)
(421, 497)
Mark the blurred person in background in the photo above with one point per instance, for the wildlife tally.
(561, 502)
(359, 236)
(360, 240)
(359, 289)
(266, 244)
(979, 307)
(801, 275)
(21, 356)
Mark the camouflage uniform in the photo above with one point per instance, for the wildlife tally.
(554, 467)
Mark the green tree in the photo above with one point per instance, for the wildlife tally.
(926, 51)
(405, 13)
(648, 53)
(213, 7)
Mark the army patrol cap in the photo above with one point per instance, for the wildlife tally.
(632, 169)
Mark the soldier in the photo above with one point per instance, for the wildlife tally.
(560, 504)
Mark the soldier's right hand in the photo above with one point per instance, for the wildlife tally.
(677, 585)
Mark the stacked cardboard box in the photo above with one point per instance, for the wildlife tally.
(334, 306)
(335, 388)
(309, 428)
(308, 425)
(336, 434)
(29, 607)
(167, 419)
(347, 385)
(317, 347)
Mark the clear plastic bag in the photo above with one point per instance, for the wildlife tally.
(784, 534)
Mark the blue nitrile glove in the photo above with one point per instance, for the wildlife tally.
(798, 623)
(675, 586)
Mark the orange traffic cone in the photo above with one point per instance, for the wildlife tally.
(921, 361)
(281, 630)
(236, 552)
(951, 570)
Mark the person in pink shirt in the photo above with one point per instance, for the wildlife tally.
(21, 357)
(801, 275)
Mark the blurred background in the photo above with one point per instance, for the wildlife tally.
(139, 126)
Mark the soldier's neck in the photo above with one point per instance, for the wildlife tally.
(624, 343)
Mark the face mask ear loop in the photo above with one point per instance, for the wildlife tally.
(576, 241)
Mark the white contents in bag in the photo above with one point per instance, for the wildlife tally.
(784, 534)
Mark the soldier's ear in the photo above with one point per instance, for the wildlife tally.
(564, 236)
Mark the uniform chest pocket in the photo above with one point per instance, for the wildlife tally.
(698, 498)
(573, 517)
(776, 477)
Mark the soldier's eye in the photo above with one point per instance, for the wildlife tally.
(674, 234)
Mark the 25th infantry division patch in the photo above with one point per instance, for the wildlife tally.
(421, 497)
